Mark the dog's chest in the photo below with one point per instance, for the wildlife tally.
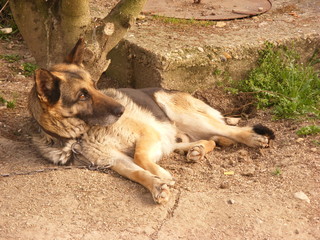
(122, 137)
(106, 144)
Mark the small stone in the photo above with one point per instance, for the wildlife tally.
(227, 55)
(302, 196)
(313, 149)
(259, 221)
(232, 163)
(260, 9)
(108, 29)
(20, 77)
(224, 185)
(6, 30)
(263, 24)
(141, 17)
(248, 172)
(296, 231)
(220, 24)
(200, 49)
(233, 121)
(299, 140)
(231, 201)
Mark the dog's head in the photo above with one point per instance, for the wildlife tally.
(66, 91)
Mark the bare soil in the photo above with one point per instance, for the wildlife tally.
(235, 193)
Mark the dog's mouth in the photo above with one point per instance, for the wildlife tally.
(103, 122)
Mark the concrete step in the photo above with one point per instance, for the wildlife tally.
(191, 55)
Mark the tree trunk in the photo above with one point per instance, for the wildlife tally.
(52, 27)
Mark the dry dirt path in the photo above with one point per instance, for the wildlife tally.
(256, 202)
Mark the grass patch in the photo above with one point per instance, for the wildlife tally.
(2, 100)
(10, 57)
(29, 68)
(308, 130)
(183, 21)
(11, 104)
(277, 172)
(281, 82)
(8, 104)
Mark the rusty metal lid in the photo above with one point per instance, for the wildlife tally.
(207, 9)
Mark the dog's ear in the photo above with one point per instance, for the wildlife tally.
(76, 54)
(47, 86)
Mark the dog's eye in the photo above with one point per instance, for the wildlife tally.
(84, 95)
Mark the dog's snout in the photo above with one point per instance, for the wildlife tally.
(118, 111)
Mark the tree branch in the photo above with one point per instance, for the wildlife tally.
(107, 35)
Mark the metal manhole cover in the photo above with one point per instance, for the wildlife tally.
(207, 9)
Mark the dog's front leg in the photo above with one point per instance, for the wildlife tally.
(157, 186)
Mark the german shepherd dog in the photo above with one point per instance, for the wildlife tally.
(127, 130)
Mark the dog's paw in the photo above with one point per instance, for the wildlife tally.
(160, 192)
(196, 153)
(257, 140)
(261, 136)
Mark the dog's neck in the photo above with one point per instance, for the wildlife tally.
(55, 126)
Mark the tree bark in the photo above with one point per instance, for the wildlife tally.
(52, 27)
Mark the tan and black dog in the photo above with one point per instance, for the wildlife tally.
(126, 129)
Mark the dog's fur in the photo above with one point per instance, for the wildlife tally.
(129, 130)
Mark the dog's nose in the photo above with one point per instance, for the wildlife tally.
(118, 111)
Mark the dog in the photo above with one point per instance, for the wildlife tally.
(128, 130)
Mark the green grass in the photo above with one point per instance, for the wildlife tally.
(2, 100)
(10, 57)
(309, 130)
(9, 104)
(277, 172)
(183, 21)
(281, 82)
(6, 20)
(29, 68)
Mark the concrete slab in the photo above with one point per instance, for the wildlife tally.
(192, 55)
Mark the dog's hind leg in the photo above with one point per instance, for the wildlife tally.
(199, 121)
(158, 187)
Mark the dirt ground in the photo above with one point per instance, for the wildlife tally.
(235, 193)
